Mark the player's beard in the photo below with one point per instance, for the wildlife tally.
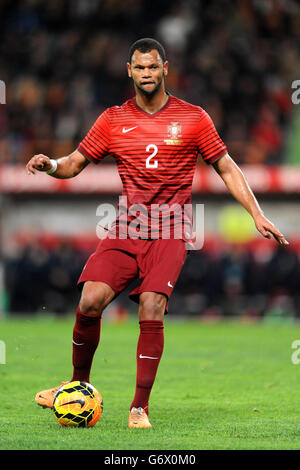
(152, 92)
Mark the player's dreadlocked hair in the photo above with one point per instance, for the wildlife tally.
(147, 45)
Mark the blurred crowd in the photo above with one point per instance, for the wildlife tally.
(232, 282)
(39, 279)
(238, 282)
(63, 63)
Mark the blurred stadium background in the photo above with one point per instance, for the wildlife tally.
(63, 63)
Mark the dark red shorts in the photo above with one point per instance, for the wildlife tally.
(157, 263)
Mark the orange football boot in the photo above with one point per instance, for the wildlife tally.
(45, 397)
(138, 418)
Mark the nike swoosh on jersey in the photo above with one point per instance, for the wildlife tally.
(124, 130)
(147, 357)
(169, 284)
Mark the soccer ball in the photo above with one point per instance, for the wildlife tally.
(78, 404)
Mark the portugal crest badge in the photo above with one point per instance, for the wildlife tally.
(174, 134)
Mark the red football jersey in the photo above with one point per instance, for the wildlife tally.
(156, 156)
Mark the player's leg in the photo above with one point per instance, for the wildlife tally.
(86, 333)
(107, 272)
(160, 266)
(150, 345)
(149, 351)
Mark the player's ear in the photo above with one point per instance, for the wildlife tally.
(129, 69)
(166, 68)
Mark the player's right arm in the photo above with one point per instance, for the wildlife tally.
(93, 148)
(67, 167)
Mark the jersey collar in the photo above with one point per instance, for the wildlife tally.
(156, 112)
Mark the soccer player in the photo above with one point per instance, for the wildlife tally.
(155, 139)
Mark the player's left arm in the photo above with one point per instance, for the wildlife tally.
(238, 186)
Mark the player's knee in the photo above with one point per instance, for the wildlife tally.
(94, 300)
(90, 305)
(152, 306)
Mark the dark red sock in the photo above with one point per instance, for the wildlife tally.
(86, 336)
(149, 351)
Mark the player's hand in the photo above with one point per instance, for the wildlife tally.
(267, 229)
(38, 162)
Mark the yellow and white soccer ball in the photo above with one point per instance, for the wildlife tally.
(78, 404)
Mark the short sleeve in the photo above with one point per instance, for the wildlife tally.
(95, 145)
(210, 145)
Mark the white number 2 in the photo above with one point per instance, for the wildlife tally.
(154, 149)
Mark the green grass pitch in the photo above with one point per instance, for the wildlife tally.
(222, 386)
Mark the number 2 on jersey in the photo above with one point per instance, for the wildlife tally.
(154, 163)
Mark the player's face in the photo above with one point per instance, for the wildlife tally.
(147, 71)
